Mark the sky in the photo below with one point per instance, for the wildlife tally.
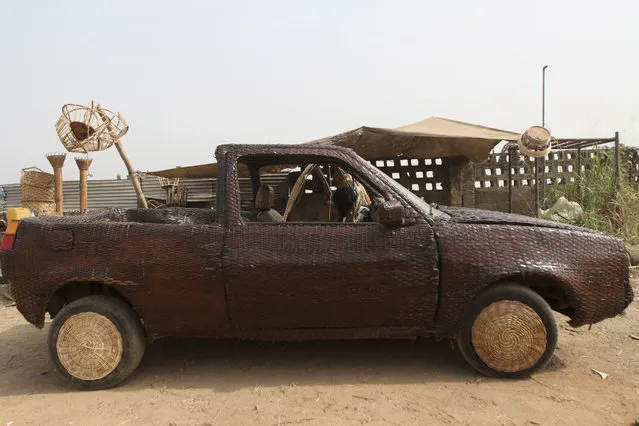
(191, 75)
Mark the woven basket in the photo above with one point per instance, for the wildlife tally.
(35, 194)
(41, 208)
(33, 176)
(37, 185)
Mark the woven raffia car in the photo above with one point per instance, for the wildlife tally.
(337, 251)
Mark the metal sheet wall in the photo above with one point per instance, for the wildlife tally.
(102, 194)
(119, 193)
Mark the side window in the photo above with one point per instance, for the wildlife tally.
(271, 192)
(316, 192)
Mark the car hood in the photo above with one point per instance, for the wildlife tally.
(478, 216)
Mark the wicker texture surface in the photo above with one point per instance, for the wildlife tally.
(37, 185)
(38, 191)
(264, 201)
(477, 216)
(591, 268)
(89, 128)
(89, 346)
(169, 258)
(350, 275)
(265, 198)
(40, 208)
(509, 336)
(200, 272)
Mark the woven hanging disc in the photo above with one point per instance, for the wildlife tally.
(509, 336)
(89, 346)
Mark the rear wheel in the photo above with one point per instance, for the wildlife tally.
(96, 342)
(508, 331)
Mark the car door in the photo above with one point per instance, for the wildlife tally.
(310, 275)
(290, 275)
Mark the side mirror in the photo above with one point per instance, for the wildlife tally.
(390, 213)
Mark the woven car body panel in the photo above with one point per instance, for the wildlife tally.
(209, 273)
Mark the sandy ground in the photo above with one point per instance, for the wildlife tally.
(190, 382)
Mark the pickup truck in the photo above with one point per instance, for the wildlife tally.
(354, 255)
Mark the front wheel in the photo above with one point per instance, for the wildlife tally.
(509, 331)
(96, 342)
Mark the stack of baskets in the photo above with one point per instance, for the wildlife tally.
(38, 191)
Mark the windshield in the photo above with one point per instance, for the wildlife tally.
(410, 196)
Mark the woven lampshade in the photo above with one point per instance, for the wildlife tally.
(92, 128)
(89, 128)
(536, 141)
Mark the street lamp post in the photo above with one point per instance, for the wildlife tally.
(543, 96)
(543, 162)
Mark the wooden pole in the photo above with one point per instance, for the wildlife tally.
(57, 161)
(579, 187)
(83, 164)
(543, 124)
(511, 151)
(134, 178)
(536, 186)
(617, 163)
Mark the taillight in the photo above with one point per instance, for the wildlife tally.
(7, 242)
(9, 236)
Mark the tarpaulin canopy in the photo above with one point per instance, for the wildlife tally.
(430, 138)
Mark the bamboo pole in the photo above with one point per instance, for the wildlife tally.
(134, 178)
(617, 163)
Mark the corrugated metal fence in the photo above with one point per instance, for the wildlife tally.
(119, 193)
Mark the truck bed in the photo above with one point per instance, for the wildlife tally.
(154, 257)
(175, 216)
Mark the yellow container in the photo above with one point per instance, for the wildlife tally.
(12, 228)
(17, 214)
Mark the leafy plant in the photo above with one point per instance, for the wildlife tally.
(607, 207)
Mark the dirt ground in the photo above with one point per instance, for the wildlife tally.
(186, 382)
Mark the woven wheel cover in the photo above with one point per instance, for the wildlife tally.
(89, 346)
(509, 336)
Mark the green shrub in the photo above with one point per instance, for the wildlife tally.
(606, 207)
